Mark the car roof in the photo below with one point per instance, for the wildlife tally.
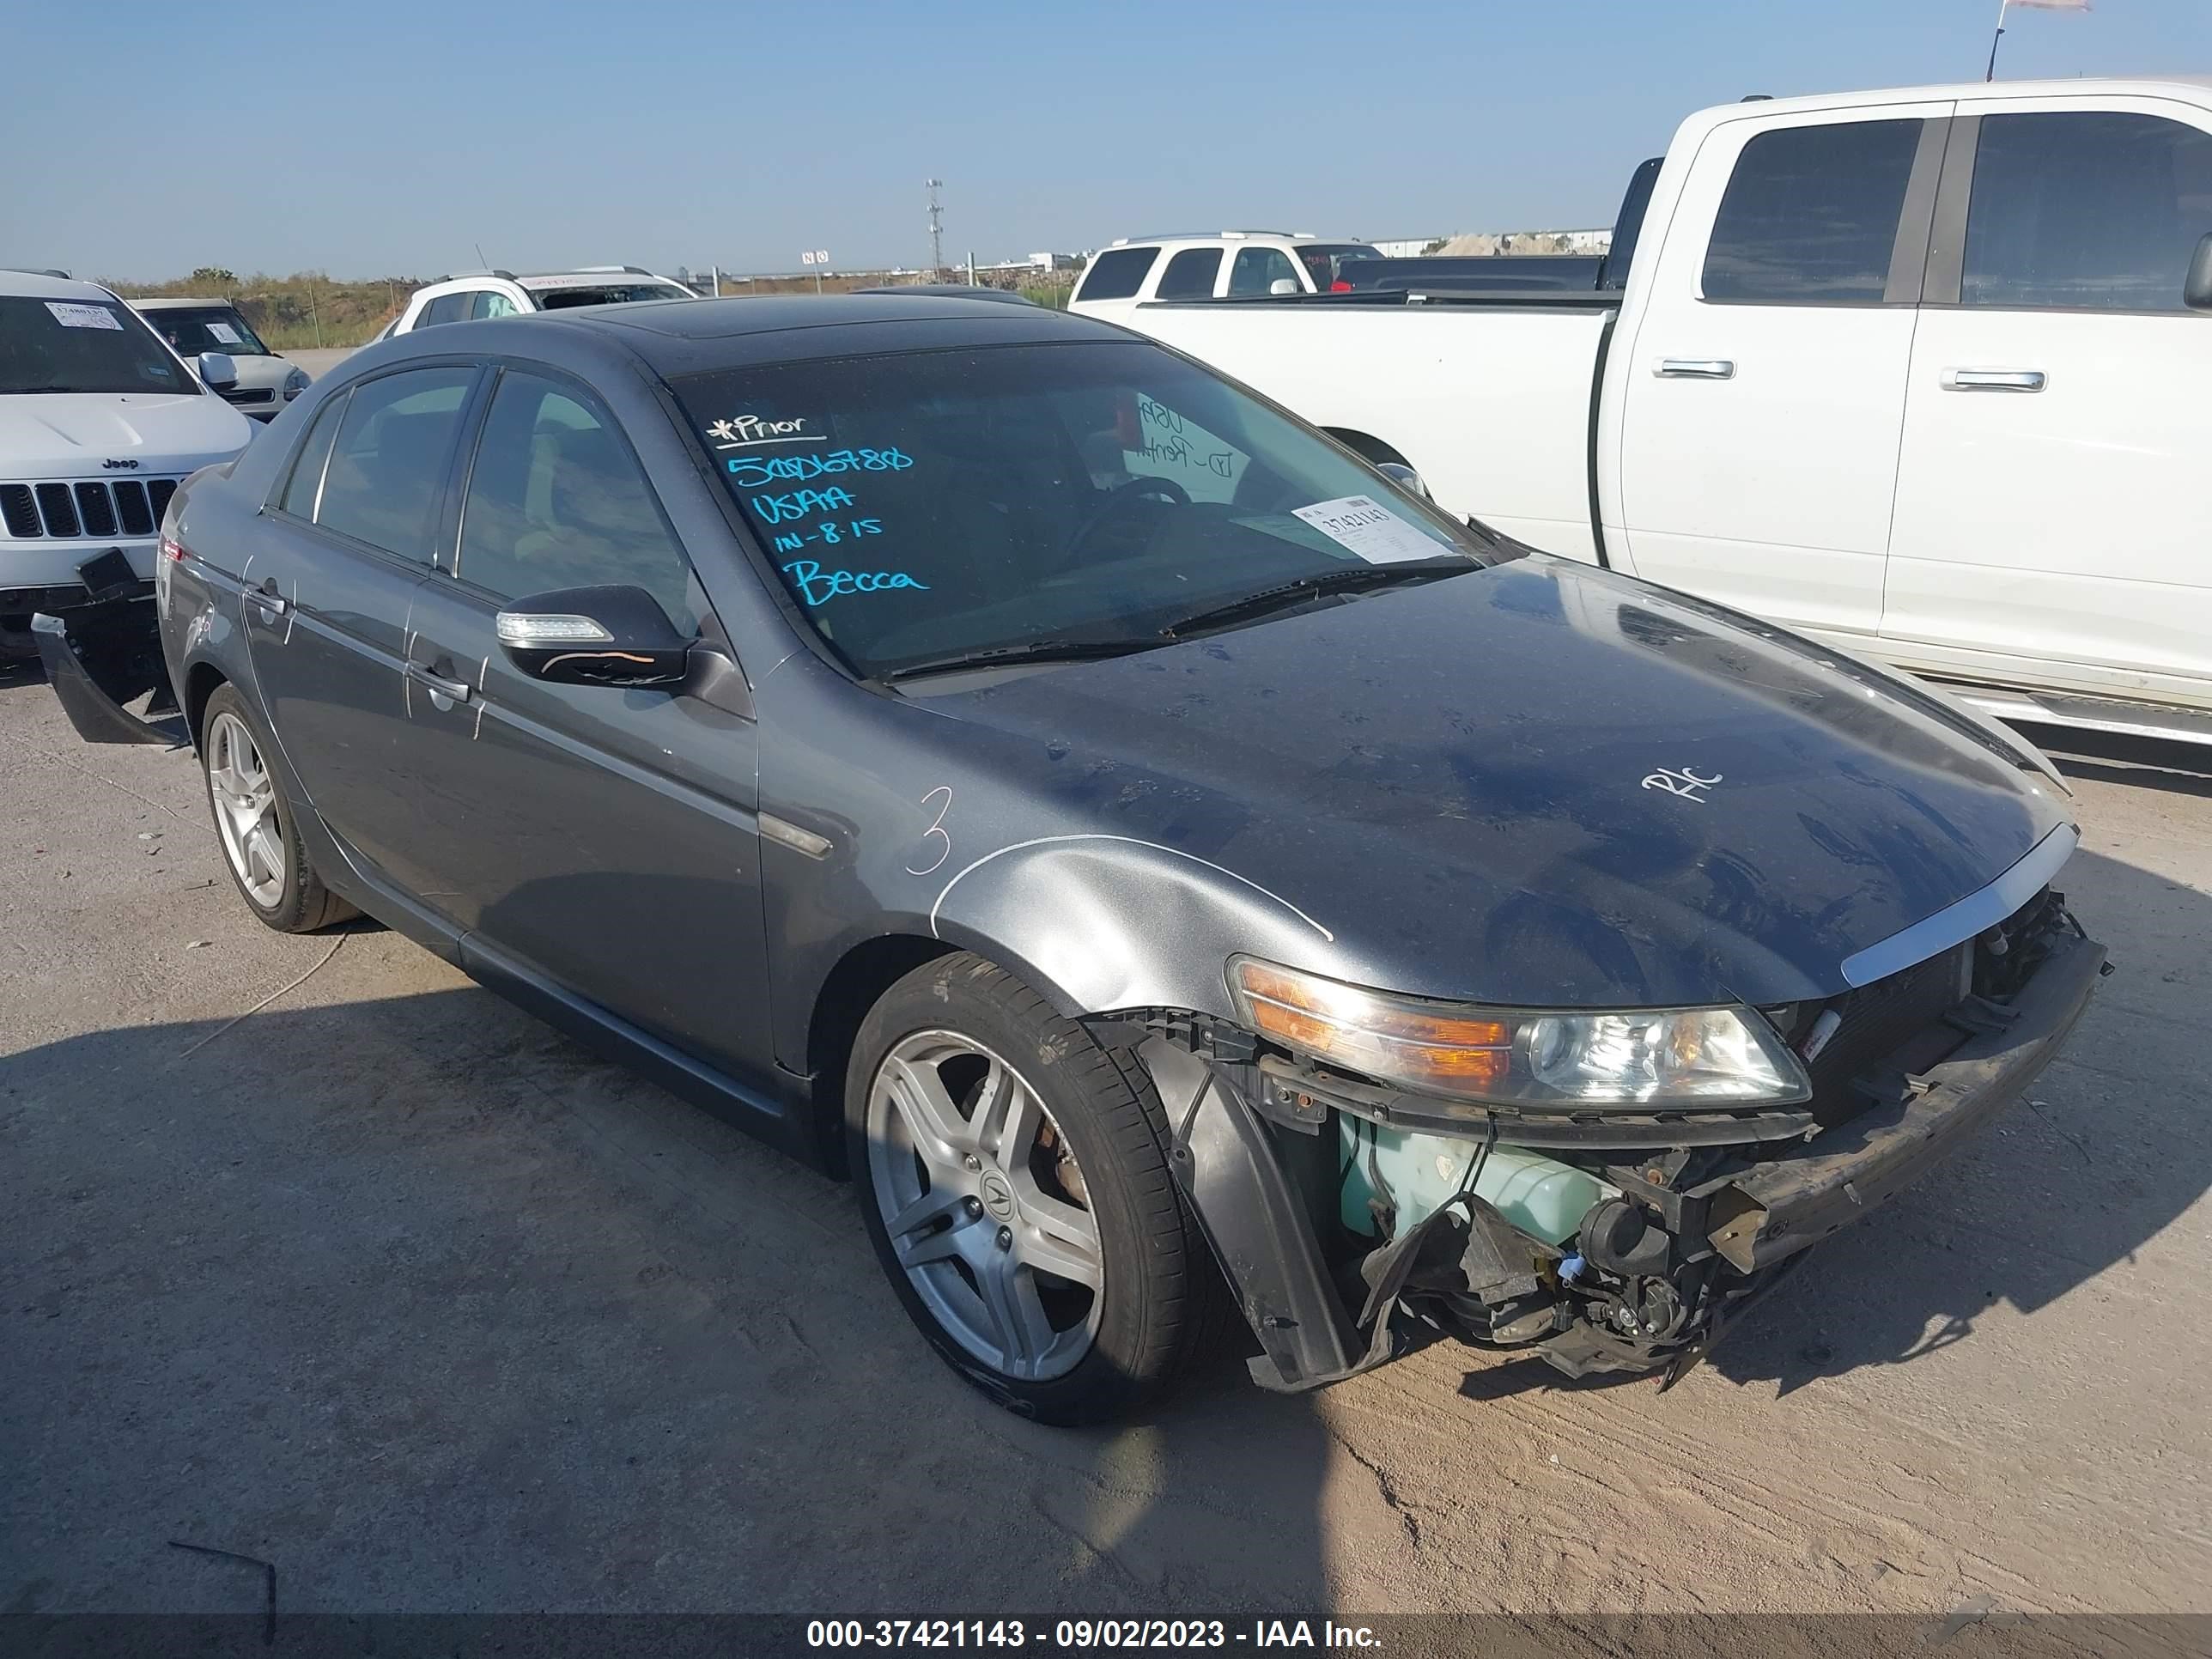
(690, 337)
(174, 304)
(584, 276)
(36, 285)
(1231, 235)
(2196, 88)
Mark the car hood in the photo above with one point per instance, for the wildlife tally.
(255, 372)
(1540, 784)
(73, 434)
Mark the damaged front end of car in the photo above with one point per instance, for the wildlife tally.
(1358, 1217)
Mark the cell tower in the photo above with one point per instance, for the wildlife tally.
(936, 227)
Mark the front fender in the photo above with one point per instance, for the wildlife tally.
(1110, 922)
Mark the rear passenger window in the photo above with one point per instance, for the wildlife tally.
(1117, 273)
(1811, 215)
(446, 308)
(1258, 270)
(306, 480)
(556, 501)
(386, 479)
(2085, 210)
(490, 302)
(1190, 275)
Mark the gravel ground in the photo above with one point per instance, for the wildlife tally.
(315, 1251)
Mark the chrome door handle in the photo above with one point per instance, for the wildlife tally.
(1994, 380)
(272, 603)
(1695, 369)
(437, 685)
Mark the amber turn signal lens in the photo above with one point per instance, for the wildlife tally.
(1390, 1037)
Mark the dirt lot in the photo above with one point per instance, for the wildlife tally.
(387, 1283)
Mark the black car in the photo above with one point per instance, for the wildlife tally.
(1166, 865)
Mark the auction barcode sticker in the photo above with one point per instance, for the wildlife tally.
(1370, 530)
(70, 316)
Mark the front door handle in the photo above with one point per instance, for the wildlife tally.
(1695, 369)
(437, 685)
(1994, 380)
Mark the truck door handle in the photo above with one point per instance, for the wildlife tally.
(1695, 369)
(437, 685)
(1993, 379)
(272, 603)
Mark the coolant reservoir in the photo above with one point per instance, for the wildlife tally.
(1538, 1194)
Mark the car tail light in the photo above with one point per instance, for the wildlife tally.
(171, 555)
(1339, 286)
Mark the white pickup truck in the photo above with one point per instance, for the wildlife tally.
(1925, 373)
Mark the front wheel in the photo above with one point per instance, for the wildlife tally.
(1015, 1184)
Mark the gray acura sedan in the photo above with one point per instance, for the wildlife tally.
(1170, 867)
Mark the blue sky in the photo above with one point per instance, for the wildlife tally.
(392, 139)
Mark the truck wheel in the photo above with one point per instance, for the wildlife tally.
(1015, 1184)
(254, 823)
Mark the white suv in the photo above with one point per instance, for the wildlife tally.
(1136, 269)
(480, 293)
(100, 421)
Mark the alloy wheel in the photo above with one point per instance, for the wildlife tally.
(245, 798)
(985, 1206)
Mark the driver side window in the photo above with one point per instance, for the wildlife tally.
(555, 500)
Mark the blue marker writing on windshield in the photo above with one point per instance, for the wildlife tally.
(818, 586)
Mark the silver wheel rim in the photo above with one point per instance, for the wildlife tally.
(245, 810)
(987, 1210)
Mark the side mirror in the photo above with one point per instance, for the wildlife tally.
(1285, 285)
(1405, 478)
(2197, 286)
(218, 372)
(611, 635)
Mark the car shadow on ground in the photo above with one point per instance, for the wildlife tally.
(419, 1301)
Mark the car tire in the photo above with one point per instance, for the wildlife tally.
(970, 1201)
(257, 827)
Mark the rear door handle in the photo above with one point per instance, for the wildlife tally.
(271, 602)
(1695, 369)
(437, 685)
(1994, 380)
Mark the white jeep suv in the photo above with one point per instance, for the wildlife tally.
(480, 293)
(1216, 264)
(100, 421)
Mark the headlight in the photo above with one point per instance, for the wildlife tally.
(1652, 1059)
(295, 383)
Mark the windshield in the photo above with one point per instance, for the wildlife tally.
(207, 328)
(934, 504)
(1325, 261)
(82, 345)
(605, 293)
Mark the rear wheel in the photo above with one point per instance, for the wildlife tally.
(1016, 1188)
(256, 826)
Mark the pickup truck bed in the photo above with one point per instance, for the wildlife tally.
(1490, 397)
